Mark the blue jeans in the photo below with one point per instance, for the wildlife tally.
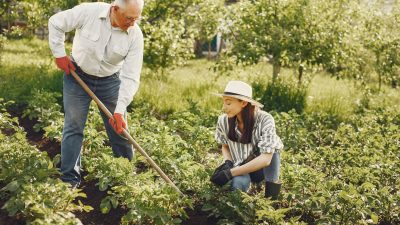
(76, 107)
(271, 174)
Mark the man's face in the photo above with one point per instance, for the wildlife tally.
(126, 17)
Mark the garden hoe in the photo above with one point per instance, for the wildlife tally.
(125, 132)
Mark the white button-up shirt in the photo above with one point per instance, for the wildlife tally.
(98, 48)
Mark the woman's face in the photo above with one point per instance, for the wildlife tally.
(233, 106)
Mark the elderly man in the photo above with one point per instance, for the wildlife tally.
(107, 54)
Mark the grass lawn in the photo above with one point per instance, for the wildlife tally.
(28, 64)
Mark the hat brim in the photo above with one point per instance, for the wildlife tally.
(244, 98)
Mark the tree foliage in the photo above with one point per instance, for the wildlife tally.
(337, 36)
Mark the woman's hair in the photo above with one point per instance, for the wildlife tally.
(248, 124)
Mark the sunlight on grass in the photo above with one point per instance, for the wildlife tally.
(28, 64)
(26, 52)
(194, 82)
(335, 97)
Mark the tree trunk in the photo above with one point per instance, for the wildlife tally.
(380, 82)
(209, 50)
(378, 61)
(394, 83)
(276, 69)
(221, 44)
(197, 48)
(301, 71)
(8, 20)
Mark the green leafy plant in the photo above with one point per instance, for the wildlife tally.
(281, 96)
(43, 106)
(45, 201)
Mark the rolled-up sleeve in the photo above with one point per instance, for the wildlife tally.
(220, 131)
(269, 140)
(62, 22)
(130, 73)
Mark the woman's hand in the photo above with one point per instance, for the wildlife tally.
(222, 174)
(222, 177)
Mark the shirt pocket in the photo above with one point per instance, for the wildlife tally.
(88, 40)
(117, 54)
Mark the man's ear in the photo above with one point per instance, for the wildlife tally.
(116, 8)
(244, 103)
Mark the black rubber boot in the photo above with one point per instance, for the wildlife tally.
(272, 190)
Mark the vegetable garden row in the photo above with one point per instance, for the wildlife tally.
(334, 172)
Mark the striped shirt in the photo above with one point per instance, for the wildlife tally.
(264, 137)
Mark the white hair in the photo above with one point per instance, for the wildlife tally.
(122, 3)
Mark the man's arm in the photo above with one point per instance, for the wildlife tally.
(130, 73)
(62, 22)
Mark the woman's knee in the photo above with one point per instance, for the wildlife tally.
(273, 170)
(241, 183)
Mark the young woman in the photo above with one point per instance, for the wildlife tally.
(249, 142)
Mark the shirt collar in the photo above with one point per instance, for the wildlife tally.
(119, 29)
(105, 12)
(237, 128)
(238, 132)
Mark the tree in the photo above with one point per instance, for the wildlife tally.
(168, 41)
(2, 41)
(29, 15)
(382, 38)
(293, 33)
(166, 45)
(205, 18)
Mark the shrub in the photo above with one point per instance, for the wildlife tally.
(281, 96)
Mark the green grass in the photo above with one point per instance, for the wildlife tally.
(192, 82)
(335, 97)
(27, 52)
(28, 64)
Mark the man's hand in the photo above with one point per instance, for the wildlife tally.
(117, 123)
(65, 64)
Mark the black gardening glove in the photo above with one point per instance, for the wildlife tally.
(228, 164)
(222, 177)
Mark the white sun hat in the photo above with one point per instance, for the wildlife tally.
(240, 90)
